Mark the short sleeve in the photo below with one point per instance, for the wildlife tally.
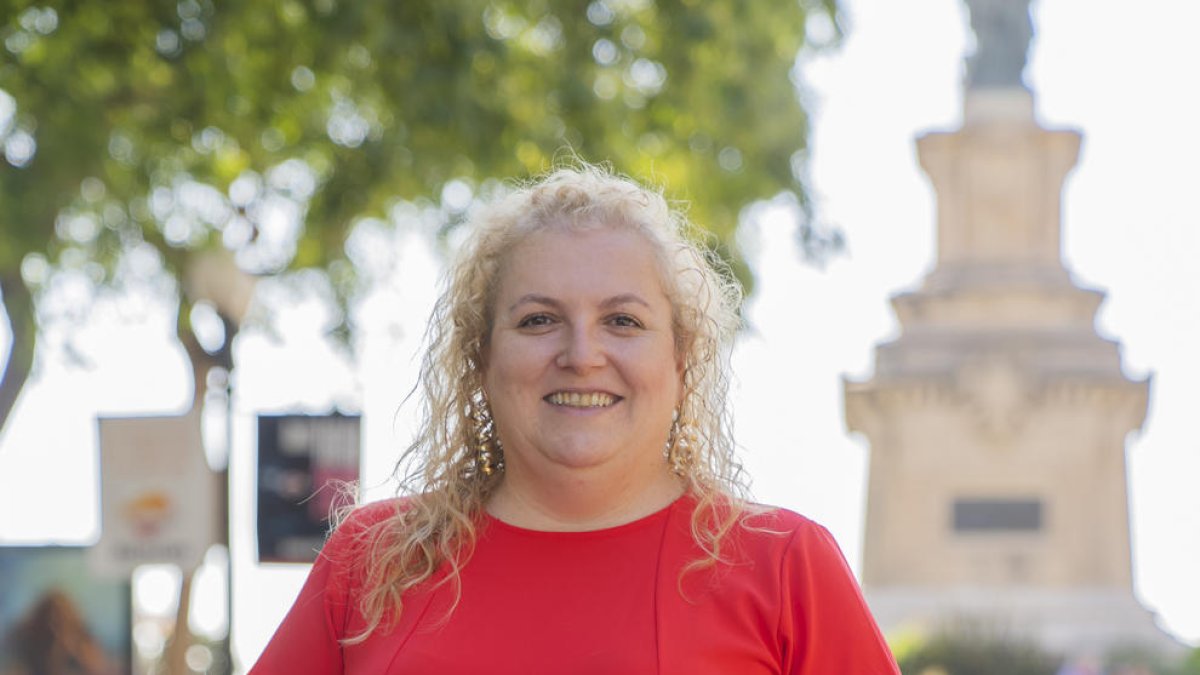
(309, 638)
(825, 625)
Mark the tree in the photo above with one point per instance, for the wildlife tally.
(166, 130)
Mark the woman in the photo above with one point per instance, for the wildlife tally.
(576, 505)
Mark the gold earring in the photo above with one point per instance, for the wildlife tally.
(489, 454)
(681, 446)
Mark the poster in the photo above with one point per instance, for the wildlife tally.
(157, 494)
(303, 464)
(53, 611)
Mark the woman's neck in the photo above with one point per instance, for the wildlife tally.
(576, 503)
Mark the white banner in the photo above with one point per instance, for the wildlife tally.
(157, 494)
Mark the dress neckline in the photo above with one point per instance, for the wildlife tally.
(649, 520)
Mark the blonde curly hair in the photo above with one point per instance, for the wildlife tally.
(441, 470)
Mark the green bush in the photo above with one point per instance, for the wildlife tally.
(1191, 665)
(978, 652)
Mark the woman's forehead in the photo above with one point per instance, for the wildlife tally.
(602, 258)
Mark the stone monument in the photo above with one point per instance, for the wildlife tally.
(997, 420)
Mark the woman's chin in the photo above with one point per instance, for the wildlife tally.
(585, 456)
(583, 453)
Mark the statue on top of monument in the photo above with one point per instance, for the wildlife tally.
(1002, 30)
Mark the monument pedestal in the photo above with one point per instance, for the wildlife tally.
(997, 420)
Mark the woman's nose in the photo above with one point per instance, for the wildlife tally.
(581, 350)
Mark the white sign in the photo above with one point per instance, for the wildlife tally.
(157, 494)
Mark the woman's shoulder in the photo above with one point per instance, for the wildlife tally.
(777, 518)
(347, 551)
(749, 516)
(783, 531)
(364, 515)
(800, 543)
(360, 524)
(758, 529)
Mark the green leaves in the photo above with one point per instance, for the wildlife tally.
(391, 100)
(337, 110)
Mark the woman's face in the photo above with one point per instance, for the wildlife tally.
(581, 365)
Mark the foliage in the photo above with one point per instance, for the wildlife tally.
(973, 648)
(974, 651)
(138, 133)
(1134, 660)
(1191, 664)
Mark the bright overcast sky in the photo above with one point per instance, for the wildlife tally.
(1122, 73)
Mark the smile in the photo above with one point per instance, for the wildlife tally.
(576, 399)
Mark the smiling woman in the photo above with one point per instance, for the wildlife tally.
(582, 378)
(573, 500)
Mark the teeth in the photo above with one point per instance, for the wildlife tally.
(576, 399)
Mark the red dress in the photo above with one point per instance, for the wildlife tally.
(602, 602)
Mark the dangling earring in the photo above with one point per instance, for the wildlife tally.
(681, 446)
(489, 454)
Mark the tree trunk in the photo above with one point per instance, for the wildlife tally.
(175, 657)
(18, 306)
(201, 362)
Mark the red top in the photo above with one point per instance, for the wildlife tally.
(606, 601)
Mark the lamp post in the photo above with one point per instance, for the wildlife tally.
(213, 276)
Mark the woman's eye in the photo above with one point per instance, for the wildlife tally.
(625, 321)
(534, 321)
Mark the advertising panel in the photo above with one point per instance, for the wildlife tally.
(157, 494)
(303, 461)
(56, 617)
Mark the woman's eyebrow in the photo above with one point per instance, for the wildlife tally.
(534, 298)
(624, 299)
(608, 303)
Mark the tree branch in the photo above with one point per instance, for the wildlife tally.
(18, 307)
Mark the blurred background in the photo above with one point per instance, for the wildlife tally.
(222, 228)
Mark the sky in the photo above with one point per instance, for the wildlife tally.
(1121, 73)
